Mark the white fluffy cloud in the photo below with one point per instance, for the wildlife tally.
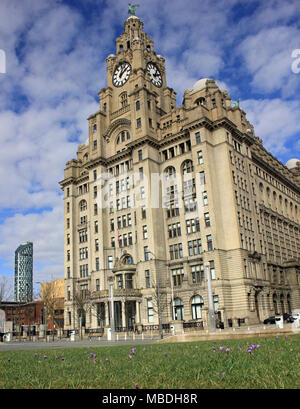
(276, 121)
(56, 66)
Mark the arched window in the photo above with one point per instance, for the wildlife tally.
(128, 260)
(187, 167)
(122, 137)
(123, 99)
(178, 309)
(82, 205)
(197, 304)
(200, 101)
(170, 172)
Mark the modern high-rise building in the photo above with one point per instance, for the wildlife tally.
(23, 287)
(161, 195)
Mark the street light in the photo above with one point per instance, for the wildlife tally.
(211, 311)
(112, 315)
(44, 311)
(158, 299)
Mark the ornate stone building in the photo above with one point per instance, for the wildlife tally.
(158, 191)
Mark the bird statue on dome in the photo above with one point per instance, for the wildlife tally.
(132, 8)
(236, 103)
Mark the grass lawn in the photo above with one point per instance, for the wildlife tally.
(253, 363)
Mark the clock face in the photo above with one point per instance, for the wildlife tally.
(155, 75)
(121, 74)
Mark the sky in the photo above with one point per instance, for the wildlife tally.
(53, 53)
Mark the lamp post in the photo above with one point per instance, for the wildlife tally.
(211, 311)
(112, 314)
(44, 311)
(158, 299)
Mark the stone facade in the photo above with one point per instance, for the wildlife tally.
(158, 191)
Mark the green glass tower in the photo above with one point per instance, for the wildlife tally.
(24, 272)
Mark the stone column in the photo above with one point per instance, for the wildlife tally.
(123, 313)
(137, 312)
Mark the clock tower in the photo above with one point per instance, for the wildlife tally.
(136, 84)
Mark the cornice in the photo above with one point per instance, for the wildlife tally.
(277, 173)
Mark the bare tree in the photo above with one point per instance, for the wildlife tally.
(51, 303)
(159, 301)
(84, 305)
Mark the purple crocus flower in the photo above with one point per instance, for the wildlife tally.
(165, 354)
(8, 359)
(133, 350)
(45, 357)
(136, 386)
(62, 358)
(35, 354)
(227, 350)
(221, 348)
(130, 356)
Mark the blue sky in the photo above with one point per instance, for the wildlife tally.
(55, 66)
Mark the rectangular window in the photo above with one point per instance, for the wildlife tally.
(207, 219)
(95, 209)
(200, 158)
(95, 174)
(202, 178)
(130, 239)
(205, 200)
(175, 251)
(97, 264)
(96, 226)
(147, 278)
(140, 154)
(146, 253)
(194, 247)
(110, 262)
(209, 243)
(137, 105)
(198, 137)
(177, 275)
(97, 284)
(198, 273)
(120, 281)
(138, 122)
(128, 280)
(145, 233)
(150, 311)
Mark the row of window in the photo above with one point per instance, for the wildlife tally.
(196, 307)
(194, 248)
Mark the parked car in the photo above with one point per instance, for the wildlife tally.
(270, 320)
(288, 317)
